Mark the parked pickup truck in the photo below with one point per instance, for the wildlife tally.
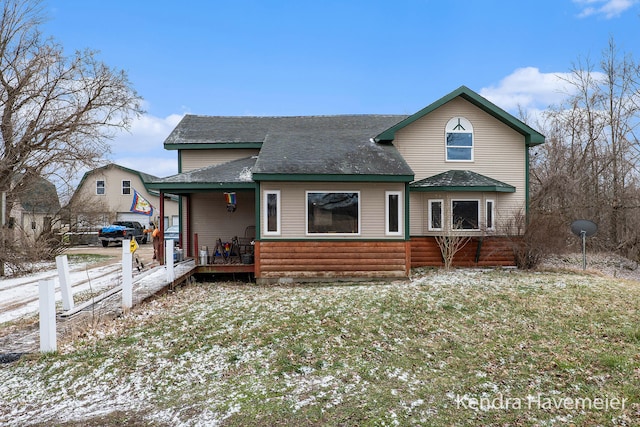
(121, 230)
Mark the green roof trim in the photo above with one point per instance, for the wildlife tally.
(461, 180)
(532, 137)
(179, 188)
(213, 146)
(332, 178)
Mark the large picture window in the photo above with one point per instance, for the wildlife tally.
(333, 212)
(393, 213)
(459, 140)
(272, 212)
(465, 214)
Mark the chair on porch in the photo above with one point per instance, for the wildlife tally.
(245, 243)
(233, 255)
(219, 253)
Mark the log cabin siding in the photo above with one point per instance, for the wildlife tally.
(294, 201)
(196, 159)
(315, 260)
(494, 251)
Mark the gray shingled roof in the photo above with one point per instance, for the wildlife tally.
(310, 145)
(461, 180)
(233, 172)
(38, 196)
(194, 129)
(334, 145)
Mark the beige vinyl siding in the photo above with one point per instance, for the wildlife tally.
(210, 219)
(499, 151)
(114, 201)
(418, 211)
(196, 159)
(293, 208)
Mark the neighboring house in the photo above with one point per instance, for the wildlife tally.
(116, 193)
(355, 196)
(35, 209)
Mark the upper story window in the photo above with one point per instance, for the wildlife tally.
(126, 187)
(100, 187)
(459, 140)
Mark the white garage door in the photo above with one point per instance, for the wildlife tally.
(129, 216)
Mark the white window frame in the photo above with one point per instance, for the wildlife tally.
(430, 217)
(104, 187)
(306, 213)
(122, 187)
(387, 218)
(265, 211)
(491, 210)
(479, 203)
(451, 127)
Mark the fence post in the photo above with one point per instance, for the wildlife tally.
(127, 275)
(168, 261)
(65, 282)
(47, 316)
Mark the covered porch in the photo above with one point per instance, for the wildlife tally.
(217, 215)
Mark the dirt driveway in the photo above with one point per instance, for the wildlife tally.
(144, 252)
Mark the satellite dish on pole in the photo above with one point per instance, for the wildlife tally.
(584, 228)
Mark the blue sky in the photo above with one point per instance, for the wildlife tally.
(263, 57)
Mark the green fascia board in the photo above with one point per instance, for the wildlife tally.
(486, 188)
(213, 146)
(331, 178)
(532, 137)
(330, 239)
(181, 187)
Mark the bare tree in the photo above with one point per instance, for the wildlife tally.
(451, 242)
(589, 166)
(57, 112)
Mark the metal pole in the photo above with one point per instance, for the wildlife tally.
(584, 250)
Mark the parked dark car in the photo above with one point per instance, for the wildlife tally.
(121, 230)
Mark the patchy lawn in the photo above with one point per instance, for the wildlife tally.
(467, 347)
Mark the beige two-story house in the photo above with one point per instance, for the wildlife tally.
(116, 193)
(355, 196)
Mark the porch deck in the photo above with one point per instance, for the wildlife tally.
(225, 268)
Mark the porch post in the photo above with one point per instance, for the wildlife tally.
(161, 227)
(187, 220)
